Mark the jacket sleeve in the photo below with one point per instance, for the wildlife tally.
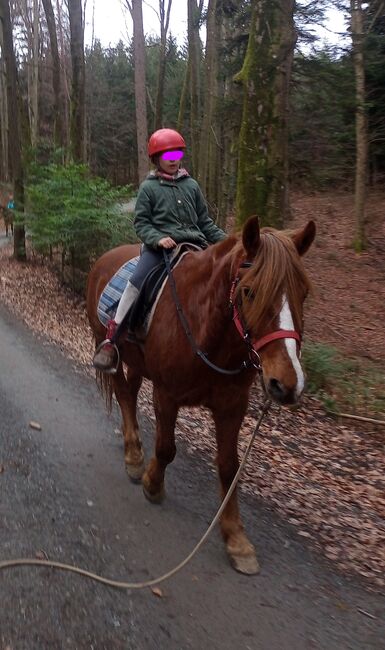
(211, 232)
(143, 220)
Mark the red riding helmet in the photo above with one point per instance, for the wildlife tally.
(164, 140)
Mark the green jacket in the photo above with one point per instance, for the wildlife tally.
(173, 208)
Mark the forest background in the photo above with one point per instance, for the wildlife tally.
(268, 110)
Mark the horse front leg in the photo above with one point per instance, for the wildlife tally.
(166, 413)
(126, 391)
(241, 552)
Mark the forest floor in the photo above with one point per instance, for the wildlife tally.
(325, 476)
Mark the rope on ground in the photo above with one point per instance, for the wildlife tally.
(7, 564)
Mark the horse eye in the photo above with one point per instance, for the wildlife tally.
(248, 293)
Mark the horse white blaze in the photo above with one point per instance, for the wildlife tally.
(286, 323)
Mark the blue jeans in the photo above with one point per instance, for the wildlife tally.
(149, 258)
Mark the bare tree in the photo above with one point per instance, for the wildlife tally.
(194, 15)
(3, 112)
(78, 80)
(210, 88)
(34, 102)
(358, 37)
(135, 8)
(56, 73)
(63, 54)
(29, 11)
(164, 20)
(15, 145)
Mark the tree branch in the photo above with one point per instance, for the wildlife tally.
(128, 5)
(379, 10)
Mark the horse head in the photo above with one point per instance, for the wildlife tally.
(271, 291)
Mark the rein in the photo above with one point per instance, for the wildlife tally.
(202, 355)
(254, 360)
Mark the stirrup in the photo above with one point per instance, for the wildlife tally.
(114, 369)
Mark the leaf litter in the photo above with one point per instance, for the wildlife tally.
(326, 479)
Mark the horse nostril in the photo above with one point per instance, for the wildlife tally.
(276, 389)
(281, 393)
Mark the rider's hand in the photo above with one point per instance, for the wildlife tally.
(166, 242)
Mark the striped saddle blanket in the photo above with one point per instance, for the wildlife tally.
(112, 292)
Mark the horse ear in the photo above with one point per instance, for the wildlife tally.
(251, 237)
(304, 237)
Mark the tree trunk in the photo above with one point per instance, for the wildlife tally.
(210, 87)
(183, 97)
(164, 23)
(229, 130)
(135, 7)
(64, 78)
(15, 149)
(56, 74)
(3, 113)
(193, 20)
(34, 90)
(262, 186)
(361, 125)
(78, 144)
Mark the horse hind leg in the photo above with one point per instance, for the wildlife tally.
(241, 552)
(126, 390)
(166, 413)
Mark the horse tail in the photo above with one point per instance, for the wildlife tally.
(105, 384)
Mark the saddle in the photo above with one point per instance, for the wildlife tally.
(139, 317)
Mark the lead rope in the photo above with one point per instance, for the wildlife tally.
(7, 564)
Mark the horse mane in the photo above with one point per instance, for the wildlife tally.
(277, 269)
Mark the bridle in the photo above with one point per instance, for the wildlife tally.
(253, 346)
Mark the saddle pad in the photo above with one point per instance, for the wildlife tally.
(112, 292)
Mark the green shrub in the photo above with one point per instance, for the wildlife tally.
(343, 383)
(73, 216)
(323, 366)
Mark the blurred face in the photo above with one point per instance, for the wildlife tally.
(169, 161)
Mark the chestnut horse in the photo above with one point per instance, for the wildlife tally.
(261, 273)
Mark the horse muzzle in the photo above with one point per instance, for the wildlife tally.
(281, 394)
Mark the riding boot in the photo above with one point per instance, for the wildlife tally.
(106, 358)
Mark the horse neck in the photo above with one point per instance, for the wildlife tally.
(208, 281)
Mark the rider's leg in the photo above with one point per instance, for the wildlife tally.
(106, 356)
(129, 295)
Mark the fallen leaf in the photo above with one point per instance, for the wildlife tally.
(157, 592)
(35, 425)
(41, 555)
(306, 466)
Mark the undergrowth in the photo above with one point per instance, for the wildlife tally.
(344, 384)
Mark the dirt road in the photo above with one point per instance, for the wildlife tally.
(64, 494)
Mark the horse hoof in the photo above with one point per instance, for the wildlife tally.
(135, 472)
(247, 564)
(156, 498)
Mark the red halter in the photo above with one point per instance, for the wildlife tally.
(256, 344)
